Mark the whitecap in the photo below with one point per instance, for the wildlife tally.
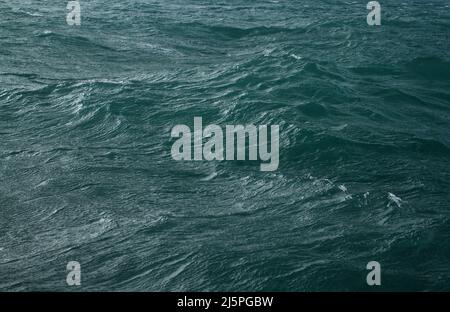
(43, 183)
(210, 177)
(339, 128)
(268, 52)
(394, 199)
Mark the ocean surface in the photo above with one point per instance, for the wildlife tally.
(86, 172)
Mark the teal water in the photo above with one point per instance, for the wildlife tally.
(86, 173)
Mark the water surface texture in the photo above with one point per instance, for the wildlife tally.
(86, 172)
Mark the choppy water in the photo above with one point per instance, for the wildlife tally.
(85, 166)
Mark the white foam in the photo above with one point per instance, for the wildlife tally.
(342, 188)
(210, 177)
(395, 199)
